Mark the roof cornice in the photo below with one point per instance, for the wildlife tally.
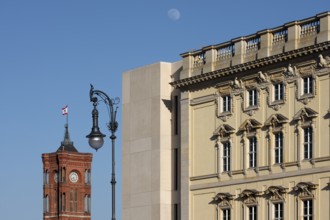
(204, 77)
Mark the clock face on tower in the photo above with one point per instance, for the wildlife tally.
(73, 177)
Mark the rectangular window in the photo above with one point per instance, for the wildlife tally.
(176, 115)
(253, 97)
(308, 209)
(226, 156)
(308, 85)
(308, 143)
(176, 169)
(278, 91)
(225, 214)
(226, 102)
(279, 147)
(252, 152)
(253, 213)
(278, 211)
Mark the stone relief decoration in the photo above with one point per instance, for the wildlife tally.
(263, 77)
(237, 84)
(276, 121)
(324, 62)
(307, 71)
(305, 115)
(290, 71)
(249, 196)
(250, 125)
(305, 189)
(224, 131)
(223, 200)
(275, 193)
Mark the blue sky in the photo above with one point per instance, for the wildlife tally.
(51, 50)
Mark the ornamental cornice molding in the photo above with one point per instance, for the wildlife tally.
(182, 83)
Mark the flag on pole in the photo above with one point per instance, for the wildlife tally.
(65, 110)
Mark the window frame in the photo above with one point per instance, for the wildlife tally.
(278, 208)
(308, 142)
(307, 85)
(278, 91)
(226, 214)
(226, 156)
(253, 212)
(252, 95)
(307, 215)
(253, 151)
(278, 148)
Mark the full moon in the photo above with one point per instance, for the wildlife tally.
(173, 14)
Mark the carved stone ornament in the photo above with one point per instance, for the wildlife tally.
(250, 125)
(290, 71)
(263, 77)
(324, 62)
(249, 196)
(276, 120)
(236, 84)
(305, 189)
(223, 130)
(276, 193)
(223, 199)
(305, 114)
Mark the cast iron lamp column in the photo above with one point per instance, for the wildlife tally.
(96, 137)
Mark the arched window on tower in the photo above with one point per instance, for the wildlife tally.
(87, 176)
(63, 174)
(46, 177)
(87, 203)
(46, 204)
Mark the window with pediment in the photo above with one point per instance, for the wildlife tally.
(306, 84)
(305, 191)
(249, 199)
(277, 90)
(224, 102)
(305, 123)
(275, 124)
(249, 130)
(251, 96)
(224, 204)
(276, 195)
(223, 134)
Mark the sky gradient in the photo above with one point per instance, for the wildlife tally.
(52, 50)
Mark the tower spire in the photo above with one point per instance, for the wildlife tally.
(67, 144)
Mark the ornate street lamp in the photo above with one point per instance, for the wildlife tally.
(96, 137)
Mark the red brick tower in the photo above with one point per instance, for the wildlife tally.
(67, 183)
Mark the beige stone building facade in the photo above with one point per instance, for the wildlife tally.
(238, 130)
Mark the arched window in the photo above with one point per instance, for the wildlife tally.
(87, 203)
(46, 204)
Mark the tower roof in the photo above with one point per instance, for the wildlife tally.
(67, 144)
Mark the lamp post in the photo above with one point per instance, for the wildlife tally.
(96, 137)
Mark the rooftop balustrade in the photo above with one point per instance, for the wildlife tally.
(290, 36)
